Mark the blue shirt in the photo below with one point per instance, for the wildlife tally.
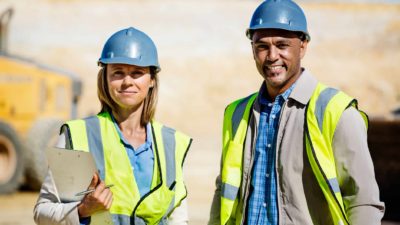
(262, 206)
(142, 159)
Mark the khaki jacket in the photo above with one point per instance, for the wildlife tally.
(50, 211)
(300, 199)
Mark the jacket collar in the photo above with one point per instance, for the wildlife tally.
(304, 88)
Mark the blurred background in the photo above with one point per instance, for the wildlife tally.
(206, 63)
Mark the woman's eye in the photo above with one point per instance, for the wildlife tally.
(137, 73)
(118, 73)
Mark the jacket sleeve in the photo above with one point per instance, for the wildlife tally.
(356, 171)
(216, 204)
(48, 209)
(180, 215)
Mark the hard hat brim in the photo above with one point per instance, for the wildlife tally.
(129, 61)
(281, 26)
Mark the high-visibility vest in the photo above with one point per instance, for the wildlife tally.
(322, 116)
(98, 135)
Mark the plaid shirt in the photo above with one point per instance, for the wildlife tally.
(262, 206)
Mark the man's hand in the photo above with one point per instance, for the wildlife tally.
(98, 200)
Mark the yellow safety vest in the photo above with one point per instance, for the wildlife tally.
(322, 116)
(98, 135)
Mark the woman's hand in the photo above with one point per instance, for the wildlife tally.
(98, 200)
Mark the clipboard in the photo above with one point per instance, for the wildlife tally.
(72, 171)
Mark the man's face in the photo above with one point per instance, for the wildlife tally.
(277, 54)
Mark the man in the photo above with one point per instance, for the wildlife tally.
(296, 152)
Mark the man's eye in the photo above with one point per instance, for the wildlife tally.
(261, 47)
(282, 46)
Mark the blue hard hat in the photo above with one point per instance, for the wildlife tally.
(130, 46)
(278, 14)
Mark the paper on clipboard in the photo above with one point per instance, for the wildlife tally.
(72, 171)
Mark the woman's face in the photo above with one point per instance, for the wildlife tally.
(128, 85)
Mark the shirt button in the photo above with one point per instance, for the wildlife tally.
(265, 204)
(269, 145)
(267, 175)
(269, 104)
(273, 116)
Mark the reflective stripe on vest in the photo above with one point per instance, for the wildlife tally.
(98, 134)
(236, 119)
(322, 116)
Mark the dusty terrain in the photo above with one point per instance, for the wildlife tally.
(206, 63)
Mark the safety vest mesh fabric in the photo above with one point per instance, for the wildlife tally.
(322, 116)
(98, 135)
(235, 125)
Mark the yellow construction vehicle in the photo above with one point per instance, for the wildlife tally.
(34, 101)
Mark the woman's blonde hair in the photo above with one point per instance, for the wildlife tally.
(108, 105)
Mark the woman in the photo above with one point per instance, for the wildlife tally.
(142, 158)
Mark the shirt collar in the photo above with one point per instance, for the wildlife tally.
(263, 94)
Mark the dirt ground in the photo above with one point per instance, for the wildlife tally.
(206, 63)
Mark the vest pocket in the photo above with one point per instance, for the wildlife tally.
(232, 151)
(233, 163)
(153, 208)
(232, 171)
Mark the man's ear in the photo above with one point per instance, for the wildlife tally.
(252, 49)
(303, 48)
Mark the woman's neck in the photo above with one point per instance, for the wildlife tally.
(129, 121)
